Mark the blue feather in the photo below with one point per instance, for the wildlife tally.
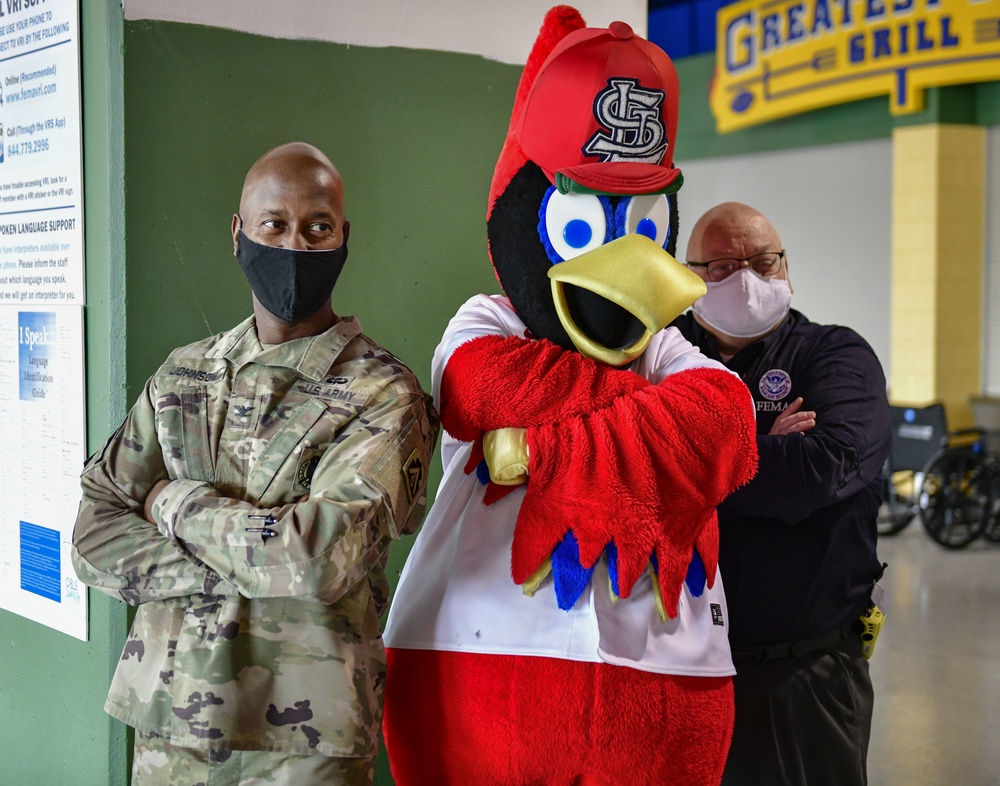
(569, 576)
(611, 552)
(696, 578)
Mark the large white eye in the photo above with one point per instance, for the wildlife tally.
(572, 224)
(649, 215)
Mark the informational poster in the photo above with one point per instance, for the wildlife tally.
(42, 404)
(41, 210)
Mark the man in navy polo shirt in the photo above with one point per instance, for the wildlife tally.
(798, 543)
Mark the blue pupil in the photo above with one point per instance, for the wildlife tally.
(577, 233)
(647, 227)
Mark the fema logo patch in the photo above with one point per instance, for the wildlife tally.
(717, 614)
(632, 115)
(413, 475)
(775, 384)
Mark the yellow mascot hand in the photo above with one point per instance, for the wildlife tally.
(506, 453)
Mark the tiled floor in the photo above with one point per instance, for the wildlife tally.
(936, 666)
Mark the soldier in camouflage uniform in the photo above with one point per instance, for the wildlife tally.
(246, 506)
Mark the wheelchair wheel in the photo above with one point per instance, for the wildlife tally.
(957, 498)
(992, 531)
(897, 510)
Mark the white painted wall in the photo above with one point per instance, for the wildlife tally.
(502, 31)
(832, 207)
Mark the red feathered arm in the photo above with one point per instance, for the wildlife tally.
(613, 457)
(493, 382)
(645, 472)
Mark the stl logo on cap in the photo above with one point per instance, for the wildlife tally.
(632, 114)
(601, 114)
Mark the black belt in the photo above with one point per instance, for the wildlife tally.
(792, 649)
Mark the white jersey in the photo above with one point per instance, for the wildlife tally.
(456, 592)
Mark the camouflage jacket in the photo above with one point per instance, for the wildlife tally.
(259, 589)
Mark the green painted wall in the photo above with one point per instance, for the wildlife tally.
(414, 134)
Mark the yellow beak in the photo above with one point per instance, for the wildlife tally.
(634, 273)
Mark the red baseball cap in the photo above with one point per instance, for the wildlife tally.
(601, 116)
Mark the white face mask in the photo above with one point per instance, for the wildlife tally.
(745, 305)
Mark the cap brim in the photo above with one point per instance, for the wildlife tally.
(618, 177)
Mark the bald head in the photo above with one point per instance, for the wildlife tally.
(293, 197)
(733, 230)
(733, 237)
(295, 163)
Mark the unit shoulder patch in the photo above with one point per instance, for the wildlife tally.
(413, 475)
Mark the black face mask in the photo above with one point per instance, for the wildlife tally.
(289, 283)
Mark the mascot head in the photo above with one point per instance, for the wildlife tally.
(582, 219)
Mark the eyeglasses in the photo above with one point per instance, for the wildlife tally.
(766, 264)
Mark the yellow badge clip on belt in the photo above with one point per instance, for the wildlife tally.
(873, 619)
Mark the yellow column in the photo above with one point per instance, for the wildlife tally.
(938, 209)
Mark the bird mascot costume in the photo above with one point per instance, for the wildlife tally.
(560, 619)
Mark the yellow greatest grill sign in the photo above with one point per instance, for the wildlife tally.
(779, 57)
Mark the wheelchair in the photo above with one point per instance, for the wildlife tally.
(992, 530)
(943, 477)
(956, 501)
(919, 434)
(986, 413)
